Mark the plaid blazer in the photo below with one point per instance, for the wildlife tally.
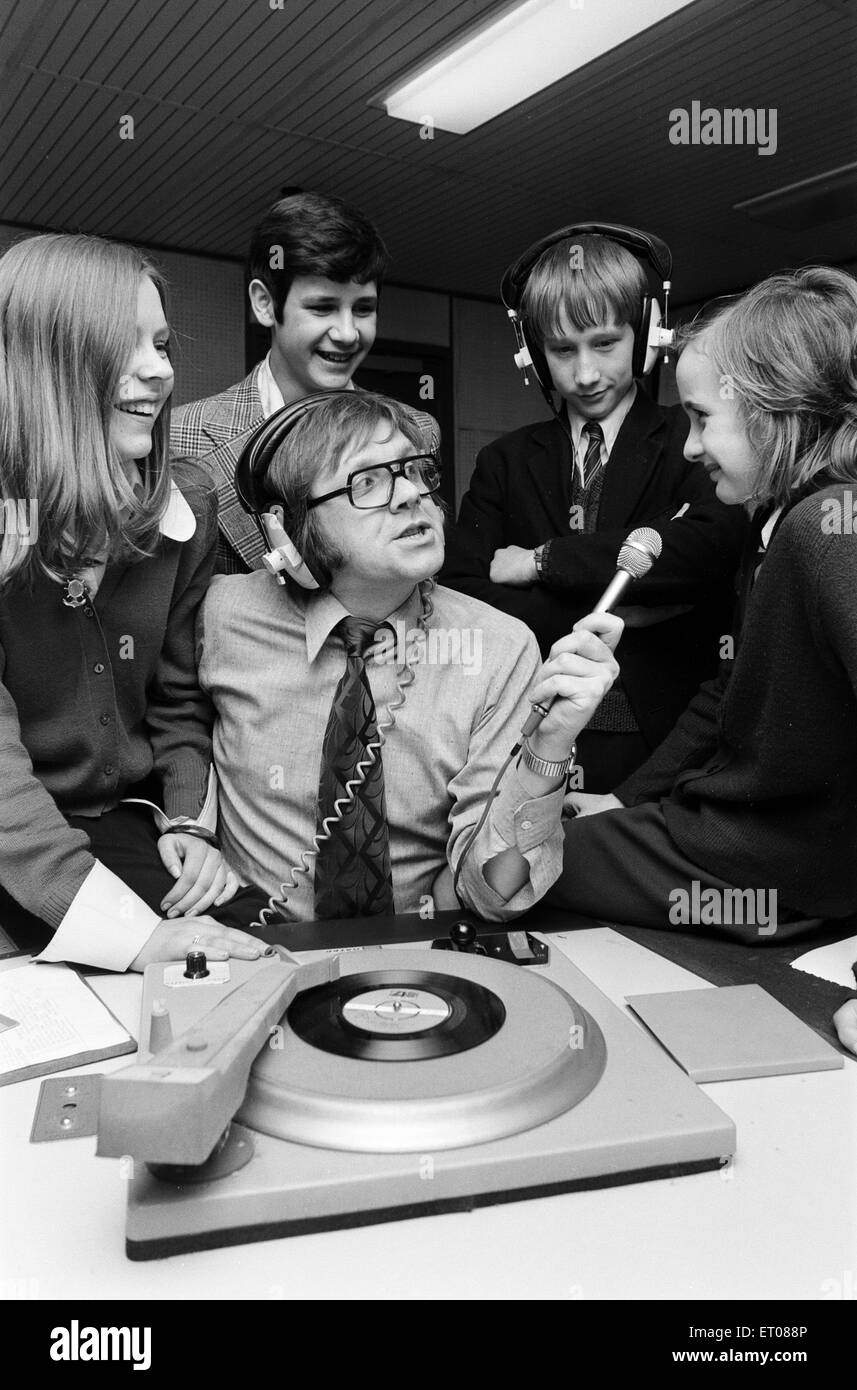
(214, 431)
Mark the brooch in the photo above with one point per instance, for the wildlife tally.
(75, 592)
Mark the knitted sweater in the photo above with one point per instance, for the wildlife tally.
(94, 699)
(758, 780)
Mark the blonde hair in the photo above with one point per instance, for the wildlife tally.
(587, 281)
(316, 446)
(788, 351)
(68, 312)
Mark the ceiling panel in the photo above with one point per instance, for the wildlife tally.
(232, 99)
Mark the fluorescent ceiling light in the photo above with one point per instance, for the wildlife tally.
(811, 203)
(520, 52)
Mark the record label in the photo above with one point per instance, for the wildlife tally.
(395, 1010)
(396, 1015)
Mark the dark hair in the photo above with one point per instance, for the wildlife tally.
(311, 234)
(316, 446)
(588, 280)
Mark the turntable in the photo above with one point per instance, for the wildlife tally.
(384, 1083)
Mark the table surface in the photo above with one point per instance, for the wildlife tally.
(779, 1222)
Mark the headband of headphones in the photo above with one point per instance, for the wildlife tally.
(649, 337)
(256, 497)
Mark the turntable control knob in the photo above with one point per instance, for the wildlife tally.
(196, 965)
(463, 936)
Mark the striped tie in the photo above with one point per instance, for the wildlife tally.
(592, 458)
(353, 877)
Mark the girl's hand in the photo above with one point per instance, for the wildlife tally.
(173, 940)
(845, 1023)
(577, 675)
(203, 879)
(590, 803)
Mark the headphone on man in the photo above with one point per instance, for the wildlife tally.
(649, 336)
(255, 496)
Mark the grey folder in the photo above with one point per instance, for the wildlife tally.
(733, 1032)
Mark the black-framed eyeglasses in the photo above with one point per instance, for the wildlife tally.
(372, 487)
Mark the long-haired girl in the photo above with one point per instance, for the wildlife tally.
(104, 559)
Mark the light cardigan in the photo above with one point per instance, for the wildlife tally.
(93, 700)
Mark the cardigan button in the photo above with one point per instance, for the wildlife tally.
(98, 668)
(104, 719)
(109, 769)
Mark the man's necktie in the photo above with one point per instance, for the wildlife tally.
(592, 457)
(352, 870)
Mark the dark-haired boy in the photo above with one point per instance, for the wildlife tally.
(549, 506)
(316, 267)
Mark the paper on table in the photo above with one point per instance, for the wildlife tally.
(832, 962)
(56, 1015)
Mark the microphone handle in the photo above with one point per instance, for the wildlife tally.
(614, 591)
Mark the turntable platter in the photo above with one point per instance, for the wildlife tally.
(471, 1051)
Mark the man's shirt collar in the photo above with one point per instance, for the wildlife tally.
(323, 611)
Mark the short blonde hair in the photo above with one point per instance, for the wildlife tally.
(316, 447)
(588, 281)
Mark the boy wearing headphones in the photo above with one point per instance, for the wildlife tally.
(355, 743)
(550, 505)
(316, 266)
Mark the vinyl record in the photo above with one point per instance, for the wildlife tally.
(396, 1015)
(522, 1052)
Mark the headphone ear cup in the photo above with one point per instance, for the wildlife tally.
(541, 370)
(250, 486)
(284, 555)
(645, 358)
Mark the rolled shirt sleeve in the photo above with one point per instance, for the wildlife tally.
(517, 819)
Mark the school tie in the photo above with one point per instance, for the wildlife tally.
(592, 457)
(353, 877)
(751, 562)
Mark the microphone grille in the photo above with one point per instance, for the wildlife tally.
(640, 551)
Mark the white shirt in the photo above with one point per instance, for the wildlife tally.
(610, 427)
(272, 396)
(270, 393)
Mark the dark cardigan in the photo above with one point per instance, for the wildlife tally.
(759, 776)
(92, 701)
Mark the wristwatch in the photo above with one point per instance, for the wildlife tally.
(545, 768)
(539, 558)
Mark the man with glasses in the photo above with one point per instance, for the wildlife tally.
(354, 774)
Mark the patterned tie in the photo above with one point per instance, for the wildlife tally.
(352, 870)
(592, 458)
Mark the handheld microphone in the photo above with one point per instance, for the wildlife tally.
(635, 558)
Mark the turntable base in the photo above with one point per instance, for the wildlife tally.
(575, 1094)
